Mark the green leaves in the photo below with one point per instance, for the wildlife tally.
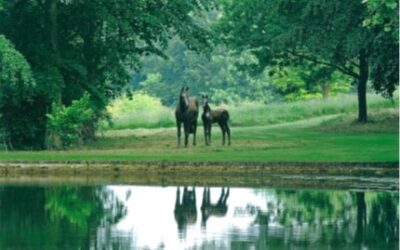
(17, 91)
(76, 46)
(384, 14)
(16, 81)
(69, 122)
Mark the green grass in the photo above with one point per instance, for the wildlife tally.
(247, 114)
(308, 140)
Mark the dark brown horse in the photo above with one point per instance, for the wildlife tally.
(210, 116)
(186, 112)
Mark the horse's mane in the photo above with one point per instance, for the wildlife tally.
(193, 104)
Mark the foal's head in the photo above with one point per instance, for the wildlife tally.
(204, 102)
(184, 98)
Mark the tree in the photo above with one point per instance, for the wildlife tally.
(17, 90)
(328, 33)
(218, 75)
(77, 46)
(309, 81)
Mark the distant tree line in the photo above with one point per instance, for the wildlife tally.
(227, 77)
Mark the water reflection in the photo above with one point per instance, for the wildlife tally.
(141, 217)
(185, 210)
(209, 209)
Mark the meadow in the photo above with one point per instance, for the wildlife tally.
(144, 111)
(305, 131)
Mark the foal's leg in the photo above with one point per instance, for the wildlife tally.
(209, 125)
(228, 131)
(226, 196)
(205, 132)
(223, 132)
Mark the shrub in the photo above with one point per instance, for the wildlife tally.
(70, 122)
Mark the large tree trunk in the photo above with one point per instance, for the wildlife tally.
(362, 87)
(325, 90)
(53, 139)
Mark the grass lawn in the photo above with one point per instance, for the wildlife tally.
(312, 140)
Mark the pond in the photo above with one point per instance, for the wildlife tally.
(175, 217)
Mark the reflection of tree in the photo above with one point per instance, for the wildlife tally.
(361, 217)
(382, 225)
(57, 217)
(315, 219)
(185, 210)
(312, 207)
(208, 209)
(83, 205)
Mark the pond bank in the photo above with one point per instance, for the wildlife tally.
(376, 169)
(327, 175)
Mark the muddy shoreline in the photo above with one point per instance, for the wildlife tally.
(354, 176)
(380, 169)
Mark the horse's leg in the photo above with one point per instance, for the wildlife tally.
(187, 129)
(178, 197)
(194, 133)
(178, 127)
(204, 202)
(228, 131)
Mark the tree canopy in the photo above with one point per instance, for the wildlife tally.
(329, 33)
(77, 46)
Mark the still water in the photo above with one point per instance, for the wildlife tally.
(152, 217)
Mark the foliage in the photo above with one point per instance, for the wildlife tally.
(69, 122)
(218, 76)
(83, 206)
(327, 33)
(383, 13)
(324, 216)
(49, 217)
(138, 102)
(302, 83)
(139, 111)
(17, 91)
(78, 46)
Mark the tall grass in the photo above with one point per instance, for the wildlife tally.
(141, 111)
(144, 111)
(251, 114)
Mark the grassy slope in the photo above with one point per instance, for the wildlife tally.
(315, 139)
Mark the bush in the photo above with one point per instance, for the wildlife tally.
(70, 122)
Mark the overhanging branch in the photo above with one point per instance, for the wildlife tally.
(345, 70)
